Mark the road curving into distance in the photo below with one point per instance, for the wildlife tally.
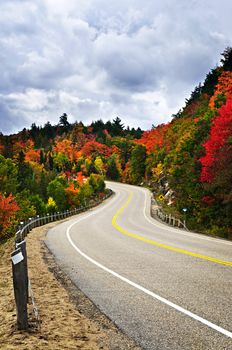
(165, 288)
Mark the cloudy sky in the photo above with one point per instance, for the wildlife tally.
(136, 59)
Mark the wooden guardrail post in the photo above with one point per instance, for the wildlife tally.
(22, 246)
(20, 288)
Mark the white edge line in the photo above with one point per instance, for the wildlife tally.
(137, 286)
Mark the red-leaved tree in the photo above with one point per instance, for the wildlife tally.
(219, 145)
(8, 209)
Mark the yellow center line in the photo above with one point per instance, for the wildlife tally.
(161, 245)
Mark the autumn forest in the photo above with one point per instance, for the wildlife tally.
(187, 163)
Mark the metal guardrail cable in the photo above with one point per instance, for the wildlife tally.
(35, 308)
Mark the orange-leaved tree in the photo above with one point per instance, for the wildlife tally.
(32, 155)
(223, 90)
(94, 148)
(67, 148)
(154, 138)
(72, 192)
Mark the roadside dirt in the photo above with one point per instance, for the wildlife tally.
(69, 320)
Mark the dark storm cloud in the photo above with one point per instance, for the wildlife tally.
(92, 58)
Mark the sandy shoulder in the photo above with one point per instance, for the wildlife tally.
(68, 319)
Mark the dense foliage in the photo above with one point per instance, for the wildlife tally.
(187, 162)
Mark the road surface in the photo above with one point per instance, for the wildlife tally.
(165, 288)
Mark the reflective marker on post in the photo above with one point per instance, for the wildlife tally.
(17, 258)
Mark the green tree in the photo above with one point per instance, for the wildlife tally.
(66, 126)
(56, 190)
(113, 172)
(117, 127)
(42, 155)
(25, 175)
(61, 161)
(125, 148)
(86, 191)
(43, 184)
(37, 202)
(99, 165)
(64, 120)
(46, 133)
(34, 133)
(137, 164)
(27, 210)
(8, 176)
(88, 167)
(227, 59)
(50, 161)
(97, 183)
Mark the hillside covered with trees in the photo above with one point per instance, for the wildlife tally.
(187, 163)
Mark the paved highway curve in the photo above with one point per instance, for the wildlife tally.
(165, 288)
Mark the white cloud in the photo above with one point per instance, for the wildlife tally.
(92, 58)
(32, 100)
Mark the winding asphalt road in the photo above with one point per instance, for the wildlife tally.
(165, 288)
